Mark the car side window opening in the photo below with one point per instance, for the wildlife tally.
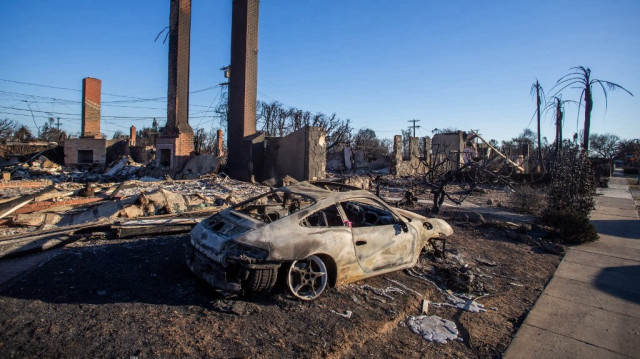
(326, 217)
(362, 214)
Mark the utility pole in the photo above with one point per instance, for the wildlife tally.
(227, 75)
(414, 126)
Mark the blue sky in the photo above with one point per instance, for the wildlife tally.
(462, 64)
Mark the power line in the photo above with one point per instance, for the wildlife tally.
(106, 93)
(40, 85)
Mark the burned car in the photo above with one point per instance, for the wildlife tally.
(309, 235)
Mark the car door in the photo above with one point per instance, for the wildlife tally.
(380, 238)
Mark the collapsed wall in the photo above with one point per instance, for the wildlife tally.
(301, 155)
(413, 164)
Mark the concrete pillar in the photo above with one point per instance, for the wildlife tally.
(91, 107)
(219, 143)
(427, 149)
(396, 155)
(243, 84)
(414, 152)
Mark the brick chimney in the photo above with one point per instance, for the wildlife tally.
(91, 107)
(243, 84)
(132, 136)
(175, 144)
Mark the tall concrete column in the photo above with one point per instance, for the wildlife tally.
(243, 87)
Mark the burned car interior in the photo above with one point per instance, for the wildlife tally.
(326, 217)
(274, 205)
(362, 214)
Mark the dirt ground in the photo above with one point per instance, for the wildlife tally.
(136, 299)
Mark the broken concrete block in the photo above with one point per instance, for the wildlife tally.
(46, 163)
(29, 219)
(52, 218)
(288, 180)
(169, 201)
(150, 209)
(131, 212)
(194, 200)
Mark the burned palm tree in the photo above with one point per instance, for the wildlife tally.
(539, 93)
(581, 79)
(558, 106)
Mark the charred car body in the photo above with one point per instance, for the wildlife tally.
(314, 234)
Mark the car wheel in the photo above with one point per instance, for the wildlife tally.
(307, 278)
(260, 280)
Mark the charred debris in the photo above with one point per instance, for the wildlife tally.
(457, 176)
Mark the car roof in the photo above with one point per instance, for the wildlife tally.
(320, 190)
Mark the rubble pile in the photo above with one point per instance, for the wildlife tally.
(124, 168)
(66, 204)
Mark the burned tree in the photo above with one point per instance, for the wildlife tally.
(581, 78)
(539, 93)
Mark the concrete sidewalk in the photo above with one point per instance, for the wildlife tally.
(591, 307)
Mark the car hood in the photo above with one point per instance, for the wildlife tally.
(439, 226)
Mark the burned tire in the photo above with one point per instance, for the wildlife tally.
(260, 280)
